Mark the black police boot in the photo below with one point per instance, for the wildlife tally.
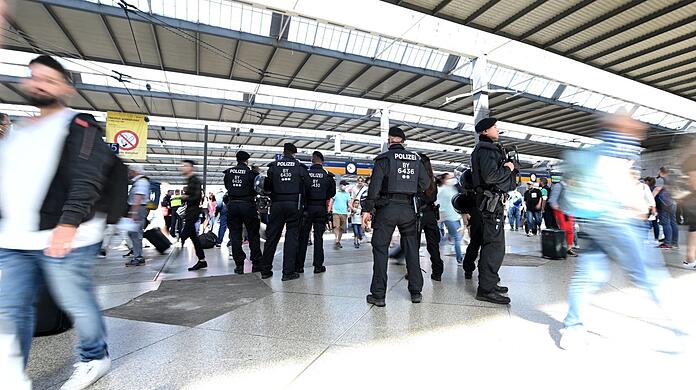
(266, 275)
(201, 264)
(379, 302)
(255, 268)
(416, 297)
(291, 276)
(300, 270)
(492, 297)
(501, 289)
(436, 277)
(468, 275)
(318, 270)
(239, 270)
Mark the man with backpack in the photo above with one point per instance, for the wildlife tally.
(53, 230)
(138, 197)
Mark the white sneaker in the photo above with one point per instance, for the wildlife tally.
(685, 264)
(86, 373)
(573, 338)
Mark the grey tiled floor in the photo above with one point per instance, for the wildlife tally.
(317, 332)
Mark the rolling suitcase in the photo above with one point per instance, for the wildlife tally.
(50, 319)
(158, 239)
(553, 244)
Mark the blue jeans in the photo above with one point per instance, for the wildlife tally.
(515, 217)
(668, 220)
(357, 231)
(623, 242)
(453, 230)
(223, 228)
(69, 281)
(533, 221)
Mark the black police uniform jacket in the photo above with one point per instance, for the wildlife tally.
(286, 179)
(322, 187)
(487, 168)
(396, 171)
(239, 182)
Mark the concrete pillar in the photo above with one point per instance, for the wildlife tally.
(480, 80)
(384, 128)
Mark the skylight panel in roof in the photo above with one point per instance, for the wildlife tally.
(500, 76)
(536, 86)
(520, 81)
(550, 89)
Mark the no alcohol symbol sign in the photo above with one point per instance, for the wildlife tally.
(127, 140)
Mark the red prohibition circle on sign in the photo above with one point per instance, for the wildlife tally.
(126, 140)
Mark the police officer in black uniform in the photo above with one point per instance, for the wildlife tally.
(493, 177)
(323, 187)
(241, 209)
(287, 180)
(397, 177)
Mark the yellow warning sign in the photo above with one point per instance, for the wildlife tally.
(129, 131)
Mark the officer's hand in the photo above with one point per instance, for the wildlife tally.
(509, 165)
(366, 218)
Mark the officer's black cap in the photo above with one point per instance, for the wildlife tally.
(397, 132)
(289, 148)
(343, 182)
(317, 154)
(485, 124)
(242, 156)
(424, 157)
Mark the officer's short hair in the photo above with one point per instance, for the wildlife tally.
(193, 163)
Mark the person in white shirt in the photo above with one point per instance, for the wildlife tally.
(52, 230)
(515, 210)
(448, 215)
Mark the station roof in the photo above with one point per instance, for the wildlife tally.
(648, 41)
(269, 48)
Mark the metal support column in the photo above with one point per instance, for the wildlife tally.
(480, 81)
(205, 161)
(337, 144)
(384, 128)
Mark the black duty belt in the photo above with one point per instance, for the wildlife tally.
(402, 197)
(317, 202)
(246, 199)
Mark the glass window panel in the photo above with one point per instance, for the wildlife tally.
(311, 33)
(550, 89)
(236, 19)
(319, 36)
(226, 15)
(180, 9)
(536, 86)
(246, 19)
(266, 24)
(191, 10)
(594, 100)
(520, 81)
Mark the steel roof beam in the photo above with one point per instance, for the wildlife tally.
(643, 38)
(62, 28)
(575, 8)
(348, 83)
(628, 26)
(480, 11)
(592, 23)
(119, 51)
(327, 74)
(439, 7)
(298, 70)
(653, 72)
(518, 15)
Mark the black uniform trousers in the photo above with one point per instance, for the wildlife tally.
(492, 250)
(387, 218)
(314, 216)
(428, 225)
(243, 212)
(476, 236)
(189, 231)
(283, 214)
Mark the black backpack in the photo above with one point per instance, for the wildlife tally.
(114, 197)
